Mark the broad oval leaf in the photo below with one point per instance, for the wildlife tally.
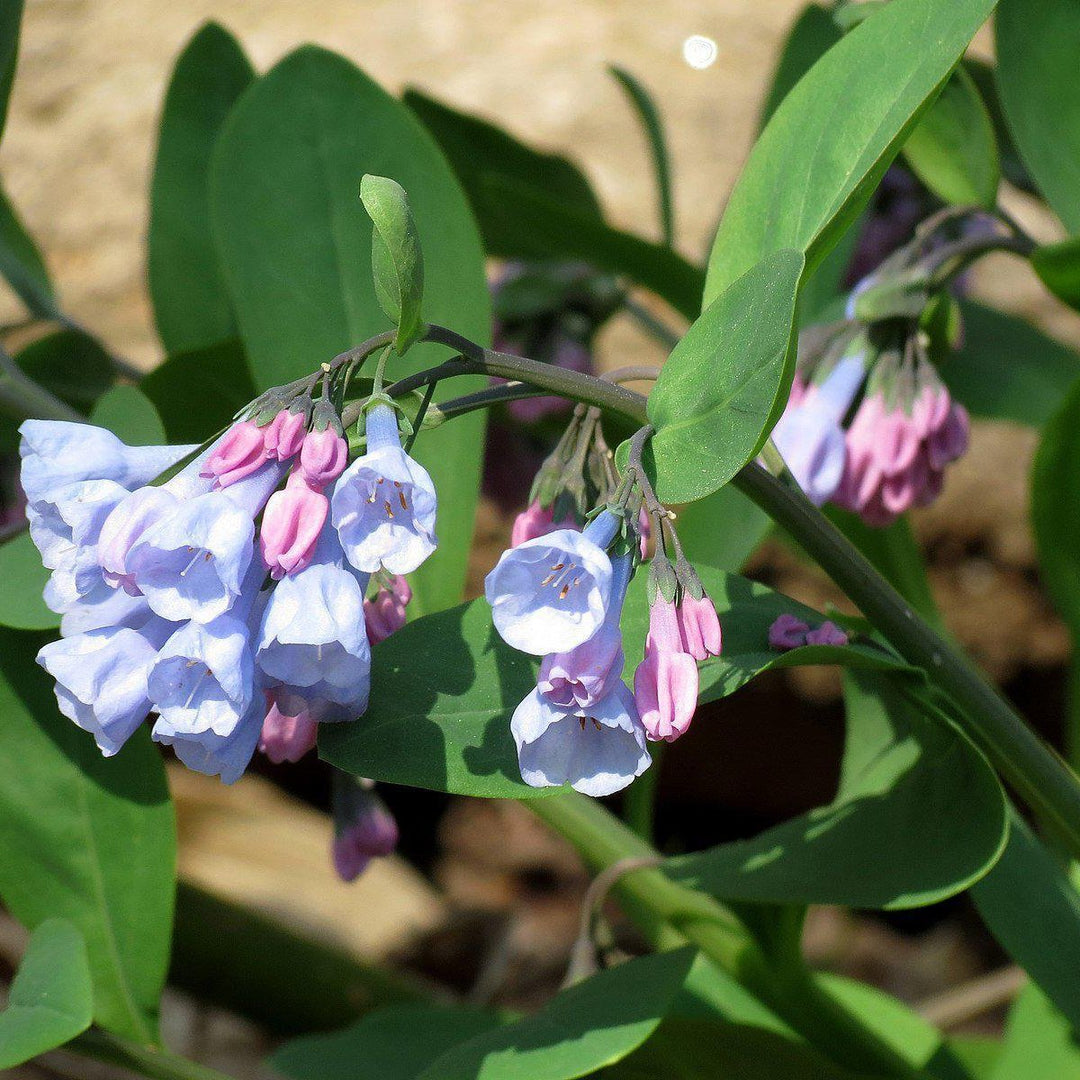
(50, 1001)
(953, 150)
(725, 383)
(22, 265)
(296, 247)
(1033, 910)
(1055, 508)
(191, 303)
(1039, 1041)
(1037, 42)
(86, 838)
(833, 136)
(586, 1027)
(397, 260)
(22, 581)
(812, 34)
(919, 816)
(130, 414)
(1058, 265)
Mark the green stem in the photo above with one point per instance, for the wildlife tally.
(1034, 769)
(659, 330)
(1072, 712)
(639, 800)
(670, 915)
(156, 1064)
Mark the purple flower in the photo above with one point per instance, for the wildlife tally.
(207, 752)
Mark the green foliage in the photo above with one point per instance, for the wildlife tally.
(1037, 43)
(1007, 370)
(918, 816)
(812, 34)
(953, 150)
(1030, 906)
(726, 382)
(1059, 267)
(199, 392)
(512, 187)
(24, 578)
(191, 303)
(397, 261)
(86, 838)
(130, 414)
(816, 165)
(1040, 1044)
(10, 20)
(50, 1000)
(296, 246)
(22, 265)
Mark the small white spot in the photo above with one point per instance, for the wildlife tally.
(699, 51)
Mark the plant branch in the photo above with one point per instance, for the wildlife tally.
(153, 1063)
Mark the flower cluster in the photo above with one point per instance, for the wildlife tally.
(871, 433)
(790, 632)
(224, 589)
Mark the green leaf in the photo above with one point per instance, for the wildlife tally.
(22, 265)
(1008, 370)
(723, 529)
(191, 303)
(50, 1001)
(1037, 42)
(296, 247)
(446, 724)
(1012, 167)
(23, 578)
(726, 382)
(86, 838)
(130, 414)
(1055, 513)
(919, 816)
(10, 20)
(1058, 265)
(1028, 903)
(953, 150)
(811, 36)
(1040, 1043)
(592, 1024)
(397, 261)
(396, 1043)
(199, 392)
(653, 126)
(834, 135)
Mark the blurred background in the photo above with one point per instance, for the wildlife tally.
(494, 921)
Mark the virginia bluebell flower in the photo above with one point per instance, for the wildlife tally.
(313, 639)
(216, 755)
(101, 679)
(596, 750)
(383, 505)
(551, 593)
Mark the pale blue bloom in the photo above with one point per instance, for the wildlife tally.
(191, 563)
(809, 436)
(71, 518)
(581, 677)
(597, 750)
(383, 505)
(101, 679)
(226, 756)
(56, 453)
(313, 638)
(551, 593)
(104, 606)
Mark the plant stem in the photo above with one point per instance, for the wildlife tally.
(156, 1064)
(639, 801)
(661, 331)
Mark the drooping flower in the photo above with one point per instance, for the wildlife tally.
(240, 452)
(699, 626)
(597, 750)
(207, 752)
(289, 728)
(56, 453)
(101, 679)
(828, 633)
(364, 829)
(323, 457)
(284, 436)
(536, 520)
(666, 681)
(787, 632)
(291, 525)
(313, 640)
(551, 593)
(581, 677)
(809, 436)
(385, 614)
(383, 505)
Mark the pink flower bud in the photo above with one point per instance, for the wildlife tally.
(787, 632)
(288, 731)
(583, 676)
(385, 613)
(699, 626)
(827, 633)
(291, 524)
(239, 453)
(372, 833)
(284, 435)
(535, 521)
(666, 681)
(323, 457)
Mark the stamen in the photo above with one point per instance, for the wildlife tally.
(563, 591)
(194, 560)
(195, 685)
(401, 499)
(581, 721)
(558, 566)
(596, 723)
(547, 580)
(389, 511)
